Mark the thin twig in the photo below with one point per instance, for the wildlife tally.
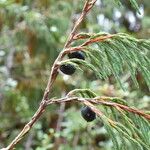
(103, 101)
(76, 139)
(90, 41)
(54, 72)
(59, 121)
(87, 6)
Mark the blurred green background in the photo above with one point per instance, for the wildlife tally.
(32, 33)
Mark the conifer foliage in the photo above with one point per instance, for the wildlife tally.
(108, 54)
(129, 125)
(105, 54)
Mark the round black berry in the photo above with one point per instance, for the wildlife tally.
(88, 114)
(78, 55)
(67, 69)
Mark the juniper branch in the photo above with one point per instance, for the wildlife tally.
(90, 39)
(101, 101)
(53, 74)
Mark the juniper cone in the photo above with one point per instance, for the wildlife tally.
(79, 55)
(88, 114)
(67, 69)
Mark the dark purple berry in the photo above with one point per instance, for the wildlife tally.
(88, 114)
(67, 69)
(78, 55)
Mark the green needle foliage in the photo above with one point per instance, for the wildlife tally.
(127, 130)
(133, 3)
(111, 56)
(116, 55)
(82, 92)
